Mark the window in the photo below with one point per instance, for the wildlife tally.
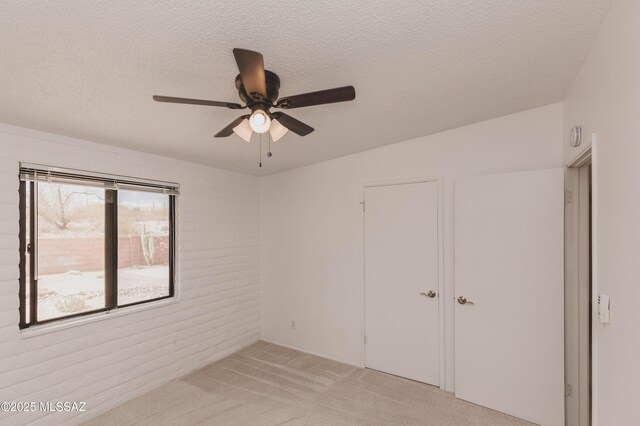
(92, 243)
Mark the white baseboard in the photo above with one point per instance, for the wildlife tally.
(310, 352)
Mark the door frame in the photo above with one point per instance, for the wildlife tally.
(361, 231)
(572, 256)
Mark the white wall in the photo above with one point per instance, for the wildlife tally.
(605, 99)
(311, 224)
(107, 362)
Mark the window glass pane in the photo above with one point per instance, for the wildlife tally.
(143, 246)
(70, 249)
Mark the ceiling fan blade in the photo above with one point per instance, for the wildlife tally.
(296, 126)
(227, 131)
(251, 66)
(329, 96)
(171, 99)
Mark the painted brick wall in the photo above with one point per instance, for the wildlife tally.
(109, 361)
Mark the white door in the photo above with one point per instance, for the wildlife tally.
(509, 262)
(401, 280)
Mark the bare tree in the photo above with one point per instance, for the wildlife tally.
(58, 209)
(58, 205)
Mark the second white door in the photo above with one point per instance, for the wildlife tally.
(401, 280)
(509, 315)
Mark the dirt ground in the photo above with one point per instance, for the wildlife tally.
(74, 292)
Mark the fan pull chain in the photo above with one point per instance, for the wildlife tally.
(260, 143)
(269, 154)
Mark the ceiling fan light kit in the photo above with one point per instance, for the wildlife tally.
(259, 121)
(244, 130)
(277, 130)
(259, 90)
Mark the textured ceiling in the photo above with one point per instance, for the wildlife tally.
(89, 69)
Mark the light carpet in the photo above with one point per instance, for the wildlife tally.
(267, 384)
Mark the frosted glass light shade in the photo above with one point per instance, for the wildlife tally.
(260, 121)
(244, 130)
(277, 130)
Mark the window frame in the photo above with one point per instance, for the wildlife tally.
(110, 248)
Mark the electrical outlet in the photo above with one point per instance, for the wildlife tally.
(293, 325)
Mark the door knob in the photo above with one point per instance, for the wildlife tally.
(431, 294)
(463, 301)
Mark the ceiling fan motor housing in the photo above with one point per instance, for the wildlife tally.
(273, 87)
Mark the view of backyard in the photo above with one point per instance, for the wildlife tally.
(75, 291)
(71, 248)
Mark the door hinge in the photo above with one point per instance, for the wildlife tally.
(568, 390)
(568, 197)
(363, 206)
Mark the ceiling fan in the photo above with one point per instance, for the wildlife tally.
(258, 89)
